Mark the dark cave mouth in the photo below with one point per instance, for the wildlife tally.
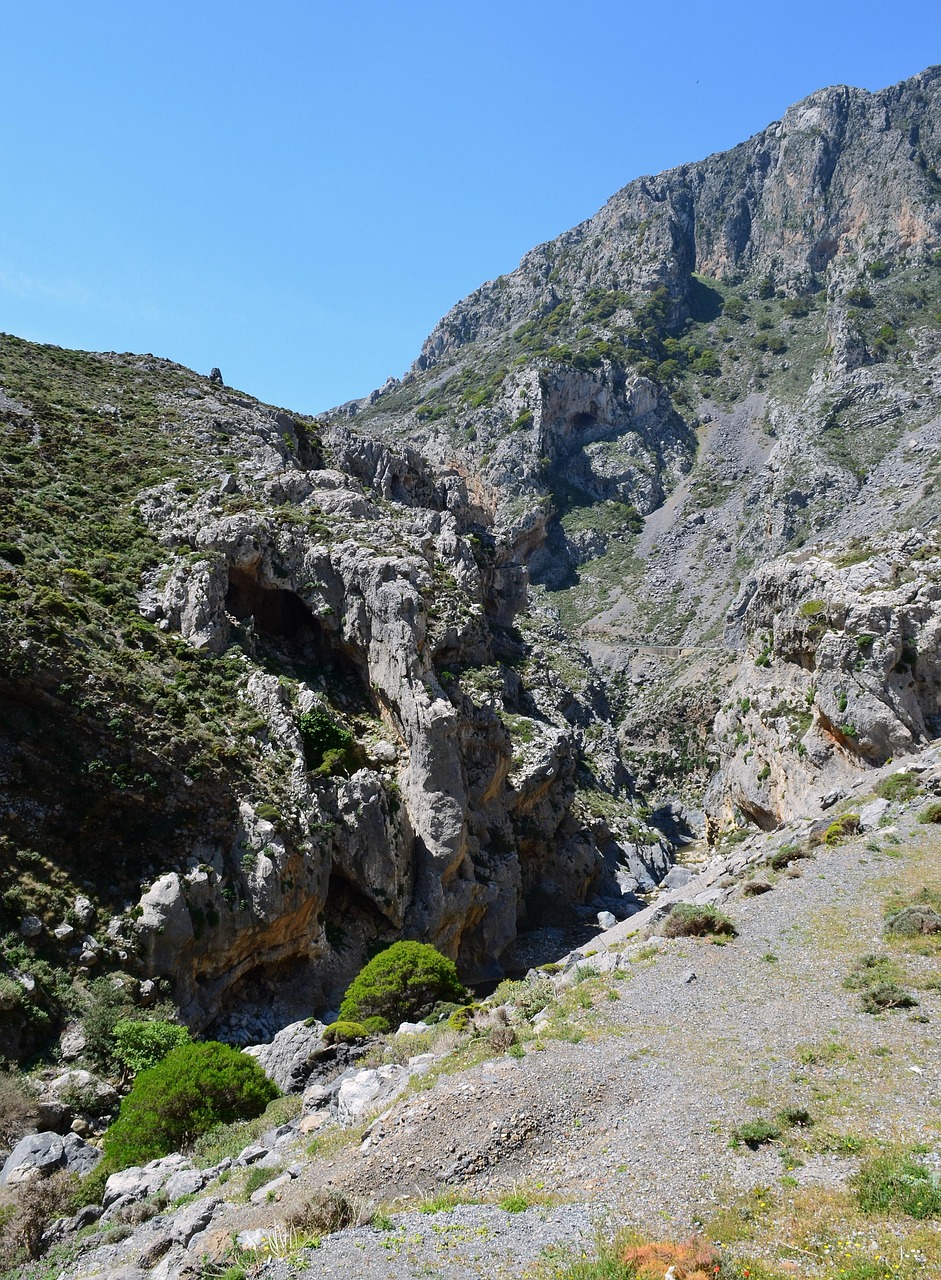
(289, 635)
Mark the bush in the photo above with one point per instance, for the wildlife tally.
(846, 825)
(17, 1105)
(755, 1133)
(139, 1044)
(932, 813)
(401, 984)
(462, 1017)
(327, 1211)
(328, 746)
(897, 1183)
(344, 1033)
(529, 996)
(693, 1260)
(886, 995)
(37, 1203)
(912, 921)
(194, 1088)
(787, 853)
(688, 920)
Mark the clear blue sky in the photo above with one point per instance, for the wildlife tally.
(296, 192)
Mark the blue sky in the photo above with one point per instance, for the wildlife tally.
(296, 192)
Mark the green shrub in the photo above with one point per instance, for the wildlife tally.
(896, 1183)
(886, 995)
(401, 984)
(811, 608)
(529, 996)
(344, 1033)
(931, 814)
(787, 853)
(876, 979)
(194, 1088)
(139, 1045)
(460, 1019)
(323, 737)
(690, 920)
(846, 825)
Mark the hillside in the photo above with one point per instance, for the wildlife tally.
(639, 562)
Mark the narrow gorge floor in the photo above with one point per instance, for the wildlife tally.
(627, 1118)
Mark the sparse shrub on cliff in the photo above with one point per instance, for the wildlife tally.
(345, 1033)
(328, 746)
(194, 1088)
(400, 984)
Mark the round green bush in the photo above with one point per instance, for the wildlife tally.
(194, 1088)
(401, 984)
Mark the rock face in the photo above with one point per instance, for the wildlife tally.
(840, 673)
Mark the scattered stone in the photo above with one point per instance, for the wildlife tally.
(606, 920)
(84, 912)
(30, 927)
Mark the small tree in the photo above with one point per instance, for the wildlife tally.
(194, 1088)
(405, 981)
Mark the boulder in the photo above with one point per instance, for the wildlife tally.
(40, 1154)
(84, 1091)
(137, 1182)
(192, 1219)
(290, 1057)
(870, 814)
(35, 1156)
(368, 1090)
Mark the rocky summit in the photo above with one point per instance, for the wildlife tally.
(599, 651)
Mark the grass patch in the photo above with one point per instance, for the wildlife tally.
(896, 1182)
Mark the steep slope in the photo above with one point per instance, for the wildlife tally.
(267, 701)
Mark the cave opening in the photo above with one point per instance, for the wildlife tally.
(289, 636)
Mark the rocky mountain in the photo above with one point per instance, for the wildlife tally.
(731, 360)
(646, 525)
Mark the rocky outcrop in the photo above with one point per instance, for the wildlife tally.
(393, 624)
(839, 674)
